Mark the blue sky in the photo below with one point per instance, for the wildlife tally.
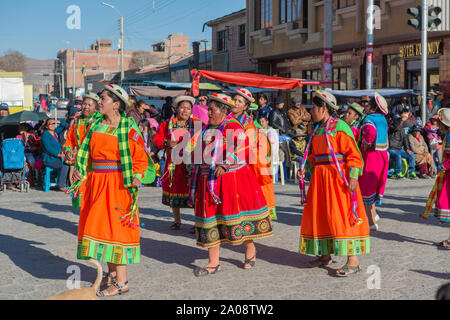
(38, 28)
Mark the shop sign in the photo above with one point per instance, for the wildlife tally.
(415, 50)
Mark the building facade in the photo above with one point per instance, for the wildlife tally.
(286, 39)
(229, 40)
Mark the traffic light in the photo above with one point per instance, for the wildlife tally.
(433, 16)
(416, 22)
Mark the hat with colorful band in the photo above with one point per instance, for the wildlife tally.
(253, 106)
(246, 94)
(444, 116)
(222, 98)
(92, 95)
(119, 92)
(327, 97)
(381, 103)
(357, 107)
(184, 98)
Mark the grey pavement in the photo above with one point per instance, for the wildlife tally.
(38, 239)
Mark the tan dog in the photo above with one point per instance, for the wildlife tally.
(83, 293)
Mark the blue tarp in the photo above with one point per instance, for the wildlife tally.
(386, 93)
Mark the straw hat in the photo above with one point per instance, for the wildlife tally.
(246, 94)
(444, 116)
(328, 98)
(357, 107)
(184, 98)
(222, 98)
(92, 96)
(119, 92)
(381, 103)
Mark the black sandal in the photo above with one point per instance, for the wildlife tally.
(443, 245)
(250, 262)
(200, 272)
(109, 282)
(175, 226)
(120, 291)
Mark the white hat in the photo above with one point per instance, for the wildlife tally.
(246, 94)
(184, 98)
(92, 96)
(381, 102)
(119, 92)
(327, 97)
(222, 98)
(444, 116)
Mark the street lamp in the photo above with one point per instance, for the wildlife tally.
(122, 72)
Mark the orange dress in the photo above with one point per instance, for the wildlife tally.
(326, 223)
(101, 233)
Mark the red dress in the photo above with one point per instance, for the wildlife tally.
(175, 182)
(241, 213)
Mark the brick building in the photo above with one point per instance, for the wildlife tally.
(286, 39)
(229, 43)
(101, 59)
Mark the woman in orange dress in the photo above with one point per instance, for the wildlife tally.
(334, 219)
(260, 157)
(109, 223)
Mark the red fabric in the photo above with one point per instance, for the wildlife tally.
(250, 80)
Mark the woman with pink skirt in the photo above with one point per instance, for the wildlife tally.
(374, 146)
(440, 194)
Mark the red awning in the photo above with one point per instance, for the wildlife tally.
(251, 80)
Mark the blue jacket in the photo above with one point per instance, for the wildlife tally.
(265, 111)
(51, 146)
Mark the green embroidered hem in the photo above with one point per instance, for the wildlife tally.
(112, 253)
(273, 213)
(175, 201)
(325, 246)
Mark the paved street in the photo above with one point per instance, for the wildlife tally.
(38, 243)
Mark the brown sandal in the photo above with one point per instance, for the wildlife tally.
(175, 226)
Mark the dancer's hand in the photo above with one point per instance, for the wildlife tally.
(76, 175)
(353, 184)
(219, 171)
(300, 174)
(136, 183)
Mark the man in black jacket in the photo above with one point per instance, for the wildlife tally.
(278, 119)
(399, 148)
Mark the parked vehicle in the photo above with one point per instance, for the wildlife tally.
(62, 104)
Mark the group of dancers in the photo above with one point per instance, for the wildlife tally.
(231, 189)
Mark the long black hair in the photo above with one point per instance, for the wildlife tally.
(320, 103)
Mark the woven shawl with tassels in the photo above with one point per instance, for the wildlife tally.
(125, 125)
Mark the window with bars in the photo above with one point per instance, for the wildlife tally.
(344, 78)
(263, 14)
(294, 11)
(391, 66)
(241, 39)
(340, 4)
(221, 41)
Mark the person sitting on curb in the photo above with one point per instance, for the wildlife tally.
(399, 148)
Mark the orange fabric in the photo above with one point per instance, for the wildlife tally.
(328, 209)
(105, 192)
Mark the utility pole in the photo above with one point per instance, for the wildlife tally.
(424, 75)
(62, 80)
(369, 49)
(73, 74)
(328, 42)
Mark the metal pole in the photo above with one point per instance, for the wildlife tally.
(122, 72)
(73, 74)
(62, 77)
(424, 59)
(328, 42)
(369, 49)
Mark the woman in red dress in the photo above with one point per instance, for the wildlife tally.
(175, 181)
(229, 204)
